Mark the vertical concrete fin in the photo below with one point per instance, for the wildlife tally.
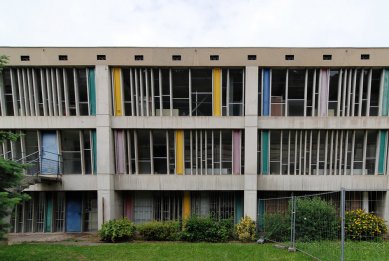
(324, 87)
(217, 92)
(120, 152)
(237, 151)
(117, 92)
(179, 152)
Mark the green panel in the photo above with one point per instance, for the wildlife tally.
(261, 214)
(49, 212)
(92, 92)
(94, 152)
(265, 152)
(382, 152)
(238, 208)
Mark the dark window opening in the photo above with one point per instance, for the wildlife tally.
(365, 56)
(251, 57)
(176, 57)
(289, 57)
(327, 57)
(138, 57)
(24, 58)
(101, 57)
(214, 57)
(62, 57)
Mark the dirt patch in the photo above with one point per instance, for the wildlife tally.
(63, 238)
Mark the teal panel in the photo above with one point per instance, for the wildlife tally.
(265, 152)
(382, 152)
(92, 91)
(261, 214)
(238, 208)
(94, 152)
(49, 212)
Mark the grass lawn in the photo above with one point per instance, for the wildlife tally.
(147, 251)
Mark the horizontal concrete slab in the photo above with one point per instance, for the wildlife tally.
(49, 122)
(69, 182)
(178, 182)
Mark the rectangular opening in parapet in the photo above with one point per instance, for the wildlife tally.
(327, 57)
(138, 57)
(214, 57)
(289, 57)
(251, 57)
(62, 57)
(365, 56)
(176, 57)
(101, 57)
(24, 58)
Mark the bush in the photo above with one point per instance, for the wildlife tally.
(117, 230)
(205, 229)
(316, 219)
(277, 227)
(360, 225)
(245, 230)
(160, 231)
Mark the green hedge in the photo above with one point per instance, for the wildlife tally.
(160, 231)
(117, 230)
(198, 229)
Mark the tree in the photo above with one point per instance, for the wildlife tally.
(11, 174)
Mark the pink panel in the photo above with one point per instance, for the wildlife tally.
(237, 150)
(120, 152)
(128, 207)
(324, 86)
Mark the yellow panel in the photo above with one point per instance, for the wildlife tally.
(180, 152)
(117, 92)
(186, 205)
(217, 92)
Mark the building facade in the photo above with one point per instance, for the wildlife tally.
(165, 133)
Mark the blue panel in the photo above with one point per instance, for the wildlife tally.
(73, 212)
(49, 162)
(266, 92)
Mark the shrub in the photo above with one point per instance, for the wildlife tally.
(160, 231)
(316, 219)
(245, 230)
(360, 225)
(277, 227)
(117, 230)
(204, 229)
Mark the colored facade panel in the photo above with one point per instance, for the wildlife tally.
(92, 91)
(186, 205)
(50, 161)
(266, 93)
(49, 212)
(73, 212)
(94, 151)
(238, 208)
(385, 94)
(324, 88)
(237, 150)
(265, 152)
(382, 152)
(128, 207)
(217, 92)
(117, 90)
(180, 152)
(120, 152)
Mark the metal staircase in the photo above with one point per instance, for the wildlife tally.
(41, 167)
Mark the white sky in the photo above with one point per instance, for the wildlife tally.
(294, 23)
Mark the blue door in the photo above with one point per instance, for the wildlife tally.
(50, 160)
(73, 212)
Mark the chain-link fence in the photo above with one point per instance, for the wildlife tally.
(345, 225)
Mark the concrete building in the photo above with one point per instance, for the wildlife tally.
(163, 133)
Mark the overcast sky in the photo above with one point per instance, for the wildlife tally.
(292, 23)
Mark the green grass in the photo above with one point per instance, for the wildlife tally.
(148, 251)
(325, 250)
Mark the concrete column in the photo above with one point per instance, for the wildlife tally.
(251, 138)
(365, 201)
(106, 196)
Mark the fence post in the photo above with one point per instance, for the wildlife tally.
(342, 213)
(292, 247)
